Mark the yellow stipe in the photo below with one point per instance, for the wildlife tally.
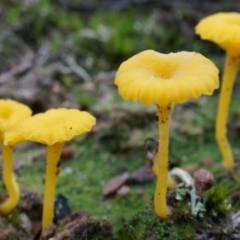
(160, 196)
(10, 182)
(53, 157)
(171, 184)
(229, 75)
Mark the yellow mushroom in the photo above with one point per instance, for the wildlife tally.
(52, 128)
(224, 30)
(11, 114)
(164, 79)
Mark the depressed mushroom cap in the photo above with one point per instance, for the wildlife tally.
(11, 114)
(155, 78)
(53, 126)
(222, 29)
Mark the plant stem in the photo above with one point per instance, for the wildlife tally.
(10, 182)
(161, 208)
(53, 157)
(229, 75)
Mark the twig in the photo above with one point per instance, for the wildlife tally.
(77, 69)
(18, 69)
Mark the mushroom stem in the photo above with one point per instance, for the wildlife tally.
(53, 157)
(10, 182)
(229, 75)
(161, 208)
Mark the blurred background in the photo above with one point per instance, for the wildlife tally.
(56, 44)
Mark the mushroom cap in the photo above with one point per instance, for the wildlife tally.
(223, 29)
(52, 126)
(11, 114)
(155, 78)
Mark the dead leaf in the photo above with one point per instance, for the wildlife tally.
(114, 184)
(141, 175)
(123, 191)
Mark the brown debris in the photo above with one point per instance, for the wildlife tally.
(203, 180)
(141, 192)
(190, 169)
(117, 184)
(31, 204)
(123, 191)
(85, 228)
(78, 215)
(206, 162)
(49, 232)
(114, 184)
(141, 175)
(11, 231)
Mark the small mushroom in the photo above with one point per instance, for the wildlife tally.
(11, 114)
(52, 128)
(224, 30)
(164, 79)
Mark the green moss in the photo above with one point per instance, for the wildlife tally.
(218, 199)
(146, 225)
(143, 225)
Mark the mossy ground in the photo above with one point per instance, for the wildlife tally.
(83, 176)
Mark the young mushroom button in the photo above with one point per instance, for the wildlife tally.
(11, 114)
(52, 128)
(151, 77)
(224, 30)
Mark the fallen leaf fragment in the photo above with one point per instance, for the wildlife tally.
(141, 175)
(114, 184)
(123, 191)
